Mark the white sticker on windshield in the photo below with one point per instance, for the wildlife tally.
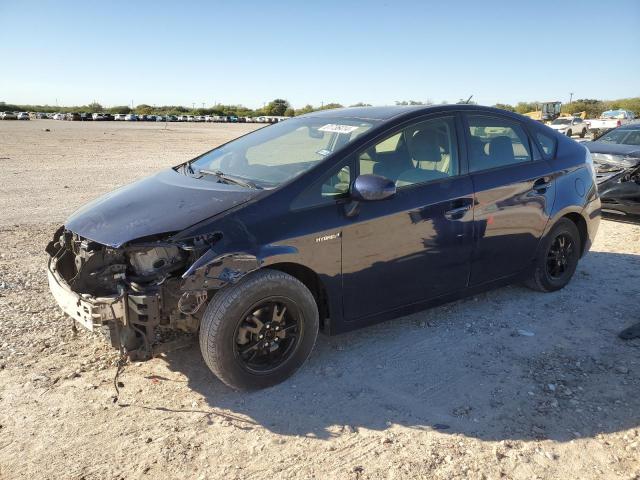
(336, 128)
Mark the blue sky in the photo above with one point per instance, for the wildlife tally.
(249, 52)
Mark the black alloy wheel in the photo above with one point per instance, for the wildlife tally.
(268, 335)
(559, 255)
(259, 331)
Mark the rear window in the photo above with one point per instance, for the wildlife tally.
(496, 142)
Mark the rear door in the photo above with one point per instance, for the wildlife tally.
(416, 245)
(514, 193)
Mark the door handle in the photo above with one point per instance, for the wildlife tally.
(541, 185)
(457, 213)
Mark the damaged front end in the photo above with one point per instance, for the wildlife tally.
(133, 291)
(618, 179)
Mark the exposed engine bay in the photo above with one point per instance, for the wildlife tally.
(134, 290)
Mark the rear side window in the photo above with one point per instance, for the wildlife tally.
(496, 142)
(547, 143)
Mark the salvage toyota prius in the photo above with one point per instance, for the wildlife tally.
(329, 221)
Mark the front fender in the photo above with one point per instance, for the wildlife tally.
(213, 270)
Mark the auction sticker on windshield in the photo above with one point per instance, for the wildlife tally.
(336, 128)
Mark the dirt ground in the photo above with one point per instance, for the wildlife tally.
(511, 384)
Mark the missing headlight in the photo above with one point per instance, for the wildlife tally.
(156, 261)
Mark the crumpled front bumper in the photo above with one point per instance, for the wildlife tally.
(89, 311)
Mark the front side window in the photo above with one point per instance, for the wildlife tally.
(419, 153)
(275, 154)
(496, 142)
(329, 188)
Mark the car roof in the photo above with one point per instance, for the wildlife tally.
(390, 112)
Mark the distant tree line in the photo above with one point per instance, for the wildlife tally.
(281, 107)
(592, 107)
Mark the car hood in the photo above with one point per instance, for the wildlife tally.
(613, 149)
(166, 202)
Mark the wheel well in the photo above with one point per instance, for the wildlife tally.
(312, 281)
(582, 228)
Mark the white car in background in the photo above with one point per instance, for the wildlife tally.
(131, 117)
(59, 116)
(23, 116)
(570, 126)
(610, 119)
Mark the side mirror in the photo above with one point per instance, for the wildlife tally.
(369, 188)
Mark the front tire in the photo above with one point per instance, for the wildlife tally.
(557, 258)
(258, 332)
(583, 133)
(569, 133)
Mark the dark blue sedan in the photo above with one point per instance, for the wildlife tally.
(329, 221)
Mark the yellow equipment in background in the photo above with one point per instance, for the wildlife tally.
(582, 115)
(547, 112)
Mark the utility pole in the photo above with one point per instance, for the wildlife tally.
(570, 97)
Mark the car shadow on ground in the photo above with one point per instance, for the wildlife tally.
(508, 364)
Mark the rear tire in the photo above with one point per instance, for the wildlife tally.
(569, 133)
(241, 321)
(583, 133)
(557, 258)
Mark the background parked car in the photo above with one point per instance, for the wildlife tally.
(616, 157)
(8, 116)
(72, 116)
(570, 126)
(131, 117)
(85, 117)
(610, 119)
(119, 116)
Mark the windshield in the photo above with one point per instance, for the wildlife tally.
(613, 114)
(275, 154)
(622, 136)
(561, 121)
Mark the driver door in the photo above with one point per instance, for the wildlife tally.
(415, 246)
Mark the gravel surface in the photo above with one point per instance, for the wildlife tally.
(508, 384)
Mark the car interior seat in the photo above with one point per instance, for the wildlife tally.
(427, 155)
(500, 152)
(392, 164)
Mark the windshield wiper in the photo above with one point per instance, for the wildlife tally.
(229, 179)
